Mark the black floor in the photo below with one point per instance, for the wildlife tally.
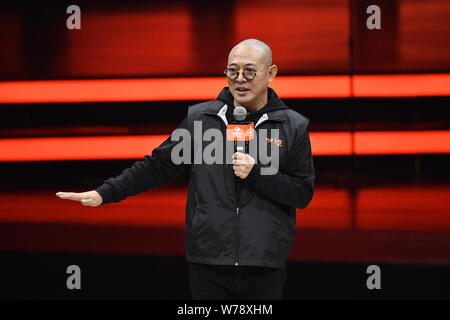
(26, 275)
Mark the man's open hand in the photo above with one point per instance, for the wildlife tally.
(242, 164)
(89, 198)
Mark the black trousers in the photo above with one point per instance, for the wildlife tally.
(214, 282)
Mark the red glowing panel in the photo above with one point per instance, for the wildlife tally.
(300, 33)
(387, 224)
(408, 85)
(404, 208)
(149, 39)
(331, 143)
(330, 209)
(399, 142)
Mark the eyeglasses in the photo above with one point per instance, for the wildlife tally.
(233, 73)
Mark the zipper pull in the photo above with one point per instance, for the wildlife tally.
(237, 211)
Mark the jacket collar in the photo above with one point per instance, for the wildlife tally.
(220, 109)
(276, 109)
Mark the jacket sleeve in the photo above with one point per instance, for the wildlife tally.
(153, 171)
(295, 187)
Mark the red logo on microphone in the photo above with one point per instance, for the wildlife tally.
(240, 132)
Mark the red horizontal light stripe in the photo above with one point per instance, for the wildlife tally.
(207, 88)
(78, 148)
(110, 90)
(158, 89)
(312, 86)
(331, 143)
(135, 147)
(394, 142)
(401, 85)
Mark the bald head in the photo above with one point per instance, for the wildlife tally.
(264, 51)
(252, 70)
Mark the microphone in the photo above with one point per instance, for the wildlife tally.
(239, 114)
(240, 131)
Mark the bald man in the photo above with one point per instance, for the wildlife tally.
(240, 223)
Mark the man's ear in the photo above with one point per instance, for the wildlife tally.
(272, 72)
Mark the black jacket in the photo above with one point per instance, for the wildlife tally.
(259, 229)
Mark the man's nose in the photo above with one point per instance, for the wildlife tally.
(240, 77)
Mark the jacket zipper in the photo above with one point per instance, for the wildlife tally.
(237, 237)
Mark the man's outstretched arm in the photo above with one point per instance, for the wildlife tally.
(153, 171)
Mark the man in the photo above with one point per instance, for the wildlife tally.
(240, 224)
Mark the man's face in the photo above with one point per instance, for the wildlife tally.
(249, 93)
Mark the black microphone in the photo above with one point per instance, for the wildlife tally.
(239, 115)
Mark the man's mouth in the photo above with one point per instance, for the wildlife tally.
(242, 91)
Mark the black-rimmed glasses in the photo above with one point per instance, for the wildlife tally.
(233, 73)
